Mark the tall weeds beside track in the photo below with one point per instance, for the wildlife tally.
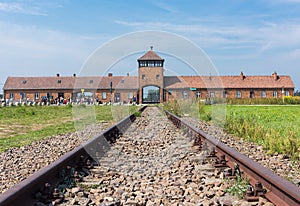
(276, 128)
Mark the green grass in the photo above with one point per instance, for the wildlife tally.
(20, 126)
(274, 127)
(265, 101)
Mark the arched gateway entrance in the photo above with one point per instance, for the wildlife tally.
(151, 94)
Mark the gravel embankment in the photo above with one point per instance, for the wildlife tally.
(153, 163)
(19, 163)
(280, 164)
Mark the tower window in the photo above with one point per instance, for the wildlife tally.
(59, 81)
(143, 64)
(158, 64)
(157, 76)
(91, 81)
(151, 64)
(143, 76)
(24, 81)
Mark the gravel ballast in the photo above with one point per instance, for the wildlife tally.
(19, 163)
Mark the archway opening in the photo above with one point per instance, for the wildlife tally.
(151, 94)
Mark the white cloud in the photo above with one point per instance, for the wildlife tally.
(266, 36)
(32, 51)
(20, 8)
(164, 6)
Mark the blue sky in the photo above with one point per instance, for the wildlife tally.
(42, 37)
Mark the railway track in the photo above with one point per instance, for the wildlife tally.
(118, 159)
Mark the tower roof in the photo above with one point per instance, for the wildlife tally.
(150, 55)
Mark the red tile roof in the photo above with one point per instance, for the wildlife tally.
(229, 82)
(131, 82)
(150, 55)
(119, 82)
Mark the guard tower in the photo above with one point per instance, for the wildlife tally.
(151, 79)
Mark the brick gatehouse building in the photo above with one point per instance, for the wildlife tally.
(150, 86)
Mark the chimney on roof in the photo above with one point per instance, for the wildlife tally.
(110, 74)
(74, 75)
(275, 76)
(242, 76)
(57, 75)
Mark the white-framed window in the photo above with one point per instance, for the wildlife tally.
(185, 94)
(263, 94)
(36, 95)
(198, 95)
(238, 94)
(287, 93)
(104, 95)
(274, 94)
(211, 94)
(11, 95)
(130, 95)
(23, 95)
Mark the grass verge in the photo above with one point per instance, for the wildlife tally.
(274, 127)
(20, 126)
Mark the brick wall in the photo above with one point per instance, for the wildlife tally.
(150, 76)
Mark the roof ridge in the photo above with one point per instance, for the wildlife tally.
(150, 55)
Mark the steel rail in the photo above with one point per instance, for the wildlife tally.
(23, 194)
(279, 191)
